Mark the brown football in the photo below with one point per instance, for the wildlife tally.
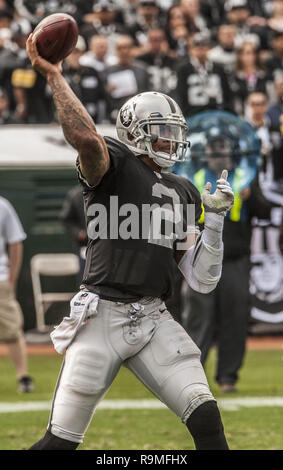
(56, 37)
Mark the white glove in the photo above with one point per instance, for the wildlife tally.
(222, 200)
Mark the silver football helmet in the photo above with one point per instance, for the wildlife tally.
(150, 117)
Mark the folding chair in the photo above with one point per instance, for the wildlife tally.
(58, 264)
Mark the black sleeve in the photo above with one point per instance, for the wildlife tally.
(118, 152)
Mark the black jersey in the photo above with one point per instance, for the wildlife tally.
(124, 260)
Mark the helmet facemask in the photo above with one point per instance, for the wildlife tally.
(170, 134)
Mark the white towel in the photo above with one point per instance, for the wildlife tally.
(83, 305)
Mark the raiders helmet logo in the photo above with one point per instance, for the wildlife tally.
(126, 116)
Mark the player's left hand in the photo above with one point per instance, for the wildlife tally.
(222, 200)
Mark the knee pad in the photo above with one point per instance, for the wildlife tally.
(205, 425)
(51, 442)
(194, 396)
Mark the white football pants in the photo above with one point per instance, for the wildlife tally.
(148, 341)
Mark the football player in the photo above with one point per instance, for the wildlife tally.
(119, 317)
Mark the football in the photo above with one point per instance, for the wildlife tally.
(56, 37)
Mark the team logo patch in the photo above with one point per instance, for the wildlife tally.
(83, 296)
(126, 116)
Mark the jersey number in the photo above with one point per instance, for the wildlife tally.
(170, 215)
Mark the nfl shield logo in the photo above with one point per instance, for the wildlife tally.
(83, 296)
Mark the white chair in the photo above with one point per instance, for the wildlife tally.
(45, 264)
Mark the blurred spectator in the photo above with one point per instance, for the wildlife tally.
(268, 27)
(249, 75)
(20, 31)
(102, 21)
(96, 56)
(255, 114)
(73, 219)
(195, 20)
(35, 11)
(160, 66)
(176, 29)
(275, 117)
(221, 316)
(274, 63)
(86, 83)
(5, 113)
(11, 317)
(7, 4)
(260, 8)
(201, 83)
(32, 96)
(6, 20)
(224, 52)
(238, 13)
(8, 58)
(83, 9)
(213, 11)
(181, 36)
(275, 22)
(148, 17)
(128, 10)
(125, 79)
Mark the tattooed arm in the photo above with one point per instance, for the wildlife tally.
(77, 125)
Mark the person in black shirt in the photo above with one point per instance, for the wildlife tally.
(86, 83)
(209, 321)
(102, 21)
(224, 53)
(238, 13)
(249, 76)
(140, 220)
(148, 17)
(201, 84)
(176, 22)
(195, 20)
(160, 66)
(274, 63)
(126, 78)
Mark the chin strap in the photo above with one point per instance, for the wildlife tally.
(164, 163)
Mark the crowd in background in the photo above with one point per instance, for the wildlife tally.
(204, 53)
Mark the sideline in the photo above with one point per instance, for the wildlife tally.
(226, 404)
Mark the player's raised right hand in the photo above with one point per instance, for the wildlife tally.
(41, 65)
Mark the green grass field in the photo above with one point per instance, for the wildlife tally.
(258, 428)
